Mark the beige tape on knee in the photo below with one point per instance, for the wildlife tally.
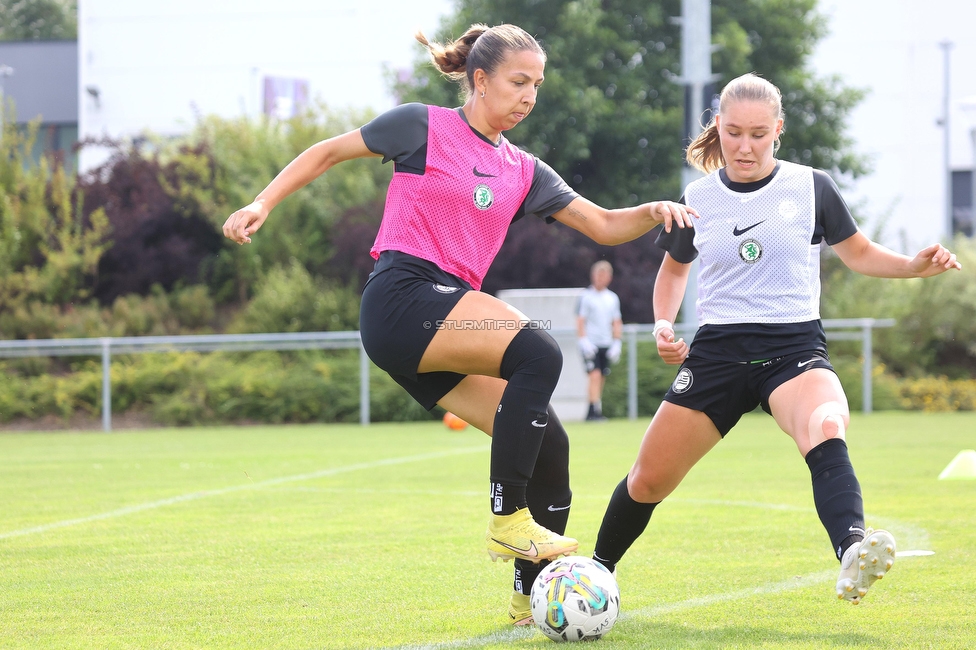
(826, 422)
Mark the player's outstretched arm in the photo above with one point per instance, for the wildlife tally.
(309, 165)
(611, 227)
(864, 256)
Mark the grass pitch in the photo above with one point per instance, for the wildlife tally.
(353, 537)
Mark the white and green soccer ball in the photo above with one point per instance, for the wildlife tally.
(575, 599)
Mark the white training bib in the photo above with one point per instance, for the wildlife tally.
(757, 263)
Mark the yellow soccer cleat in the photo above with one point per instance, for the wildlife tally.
(519, 611)
(518, 536)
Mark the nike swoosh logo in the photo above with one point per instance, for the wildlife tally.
(737, 232)
(555, 509)
(809, 361)
(532, 551)
(542, 425)
(479, 174)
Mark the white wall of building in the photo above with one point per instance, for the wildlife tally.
(158, 65)
(555, 310)
(891, 48)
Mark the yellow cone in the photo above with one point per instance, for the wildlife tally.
(962, 466)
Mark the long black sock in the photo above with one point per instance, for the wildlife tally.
(548, 495)
(623, 523)
(531, 365)
(837, 494)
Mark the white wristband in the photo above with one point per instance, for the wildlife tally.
(662, 325)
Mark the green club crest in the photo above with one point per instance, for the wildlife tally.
(750, 251)
(483, 197)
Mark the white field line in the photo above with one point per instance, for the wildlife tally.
(515, 634)
(801, 582)
(203, 494)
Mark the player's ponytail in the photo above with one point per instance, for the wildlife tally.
(705, 152)
(480, 47)
(451, 59)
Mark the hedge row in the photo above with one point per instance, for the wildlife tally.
(191, 389)
(177, 389)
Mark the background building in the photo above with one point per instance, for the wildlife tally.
(892, 49)
(158, 66)
(41, 78)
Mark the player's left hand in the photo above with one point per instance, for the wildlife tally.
(934, 260)
(245, 222)
(613, 352)
(670, 213)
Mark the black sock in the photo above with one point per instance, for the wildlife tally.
(548, 495)
(837, 494)
(531, 365)
(623, 523)
(506, 498)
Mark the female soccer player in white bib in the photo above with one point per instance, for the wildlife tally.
(457, 186)
(760, 340)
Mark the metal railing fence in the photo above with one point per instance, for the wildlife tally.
(837, 329)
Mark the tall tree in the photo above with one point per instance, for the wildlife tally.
(38, 20)
(609, 116)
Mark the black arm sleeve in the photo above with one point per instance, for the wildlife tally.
(679, 243)
(834, 220)
(548, 194)
(400, 135)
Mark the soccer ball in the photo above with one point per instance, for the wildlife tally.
(453, 422)
(575, 599)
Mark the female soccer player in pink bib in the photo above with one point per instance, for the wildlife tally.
(457, 186)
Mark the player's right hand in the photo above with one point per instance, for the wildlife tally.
(245, 222)
(671, 213)
(672, 352)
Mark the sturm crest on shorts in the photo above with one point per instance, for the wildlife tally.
(683, 381)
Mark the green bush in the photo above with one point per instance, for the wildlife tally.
(935, 330)
(939, 394)
(653, 379)
(223, 387)
(49, 251)
(289, 299)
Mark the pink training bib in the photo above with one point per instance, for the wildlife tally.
(457, 213)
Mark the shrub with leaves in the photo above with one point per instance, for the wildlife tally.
(49, 249)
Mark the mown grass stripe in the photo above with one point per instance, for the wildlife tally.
(203, 494)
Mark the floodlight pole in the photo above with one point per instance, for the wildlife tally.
(946, 47)
(696, 74)
(969, 106)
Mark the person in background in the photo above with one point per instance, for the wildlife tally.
(760, 341)
(599, 328)
(458, 184)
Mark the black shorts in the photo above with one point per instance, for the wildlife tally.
(724, 390)
(403, 301)
(598, 362)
